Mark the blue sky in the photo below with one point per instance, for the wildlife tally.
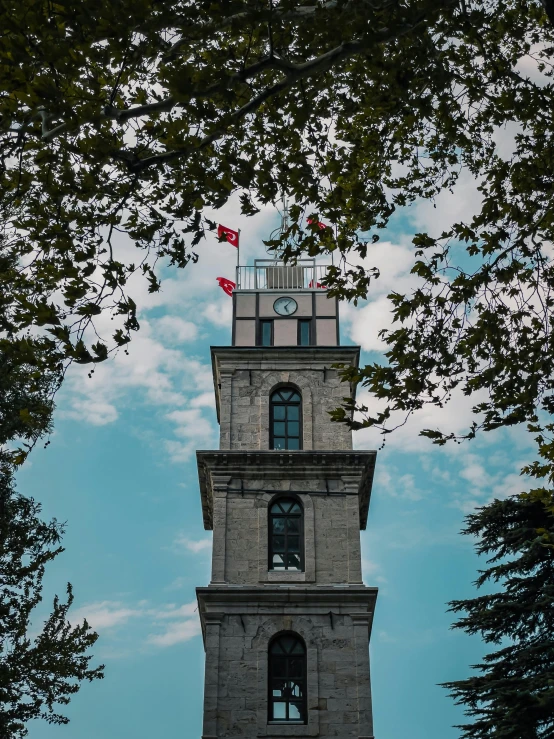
(120, 470)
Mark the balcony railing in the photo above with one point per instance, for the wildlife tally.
(267, 274)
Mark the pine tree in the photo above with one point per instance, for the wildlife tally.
(512, 696)
(39, 666)
(36, 672)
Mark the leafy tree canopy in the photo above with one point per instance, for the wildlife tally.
(133, 116)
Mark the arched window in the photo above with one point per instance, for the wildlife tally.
(287, 679)
(286, 533)
(285, 417)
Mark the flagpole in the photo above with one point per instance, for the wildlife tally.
(238, 258)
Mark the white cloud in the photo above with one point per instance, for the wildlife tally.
(204, 400)
(176, 633)
(371, 572)
(194, 432)
(184, 625)
(183, 542)
(105, 614)
(162, 376)
(183, 620)
(96, 412)
(175, 329)
(454, 417)
(156, 371)
(221, 312)
(173, 611)
(449, 207)
(367, 322)
(474, 472)
(191, 424)
(178, 452)
(487, 483)
(389, 480)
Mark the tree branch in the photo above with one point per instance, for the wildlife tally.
(294, 73)
(299, 14)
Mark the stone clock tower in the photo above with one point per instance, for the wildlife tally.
(286, 619)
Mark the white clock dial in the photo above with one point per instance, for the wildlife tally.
(285, 306)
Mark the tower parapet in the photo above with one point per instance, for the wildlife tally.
(280, 305)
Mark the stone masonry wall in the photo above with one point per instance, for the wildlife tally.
(331, 536)
(245, 397)
(338, 691)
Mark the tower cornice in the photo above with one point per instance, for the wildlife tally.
(354, 467)
(231, 358)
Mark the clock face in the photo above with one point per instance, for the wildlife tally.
(285, 306)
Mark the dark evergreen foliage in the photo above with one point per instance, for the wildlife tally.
(36, 672)
(41, 666)
(512, 696)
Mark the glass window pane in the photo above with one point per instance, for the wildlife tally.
(293, 543)
(295, 690)
(304, 333)
(279, 711)
(279, 544)
(295, 711)
(294, 397)
(278, 428)
(280, 667)
(279, 412)
(293, 428)
(286, 394)
(293, 412)
(278, 443)
(266, 333)
(295, 664)
(276, 647)
(296, 508)
(278, 562)
(278, 525)
(293, 525)
(293, 443)
(288, 642)
(293, 562)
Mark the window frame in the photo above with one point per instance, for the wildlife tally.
(270, 534)
(261, 331)
(285, 403)
(301, 322)
(271, 700)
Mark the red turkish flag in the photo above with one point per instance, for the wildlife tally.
(226, 285)
(232, 236)
(319, 223)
